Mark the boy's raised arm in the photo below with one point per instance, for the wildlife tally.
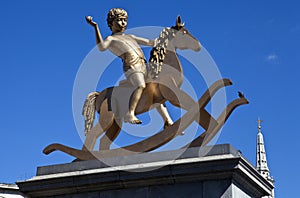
(102, 45)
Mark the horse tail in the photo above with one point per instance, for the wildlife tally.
(89, 108)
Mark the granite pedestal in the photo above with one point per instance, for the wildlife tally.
(214, 171)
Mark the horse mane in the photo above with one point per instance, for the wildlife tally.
(158, 52)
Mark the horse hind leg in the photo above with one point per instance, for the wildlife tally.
(105, 122)
(91, 137)
(110, 135)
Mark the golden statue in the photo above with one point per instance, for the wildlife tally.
(146, 92)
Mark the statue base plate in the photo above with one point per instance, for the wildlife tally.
(211, 171)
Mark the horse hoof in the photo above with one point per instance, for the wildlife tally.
(167, 124)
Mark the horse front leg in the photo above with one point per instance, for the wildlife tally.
(163, 112)
(180, 99)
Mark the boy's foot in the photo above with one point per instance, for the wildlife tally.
(132, 119)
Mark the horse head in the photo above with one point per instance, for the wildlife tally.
(170, 39)
(182, 38)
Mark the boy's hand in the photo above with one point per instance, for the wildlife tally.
(90, 21)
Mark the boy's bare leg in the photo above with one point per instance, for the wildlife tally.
(137, 80)
(130, 116)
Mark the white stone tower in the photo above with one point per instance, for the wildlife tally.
(261, 158)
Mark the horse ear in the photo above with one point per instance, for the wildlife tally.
(178, 21)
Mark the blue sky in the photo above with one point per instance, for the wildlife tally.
(254, 43)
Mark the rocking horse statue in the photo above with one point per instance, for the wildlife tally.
(145, 88)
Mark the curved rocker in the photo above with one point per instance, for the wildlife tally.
(208, 135)
(166, 135)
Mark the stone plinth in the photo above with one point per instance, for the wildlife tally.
(218, 171)
(10, 191)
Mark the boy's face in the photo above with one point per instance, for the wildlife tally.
(119, 24)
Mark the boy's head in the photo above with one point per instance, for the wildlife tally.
(114, 15)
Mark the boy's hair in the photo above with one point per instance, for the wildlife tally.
(115, 13)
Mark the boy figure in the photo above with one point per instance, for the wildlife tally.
(134, 64)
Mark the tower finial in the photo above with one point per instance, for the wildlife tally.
(259, 121)
(261, 158)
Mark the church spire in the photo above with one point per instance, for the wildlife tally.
(261, 159)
